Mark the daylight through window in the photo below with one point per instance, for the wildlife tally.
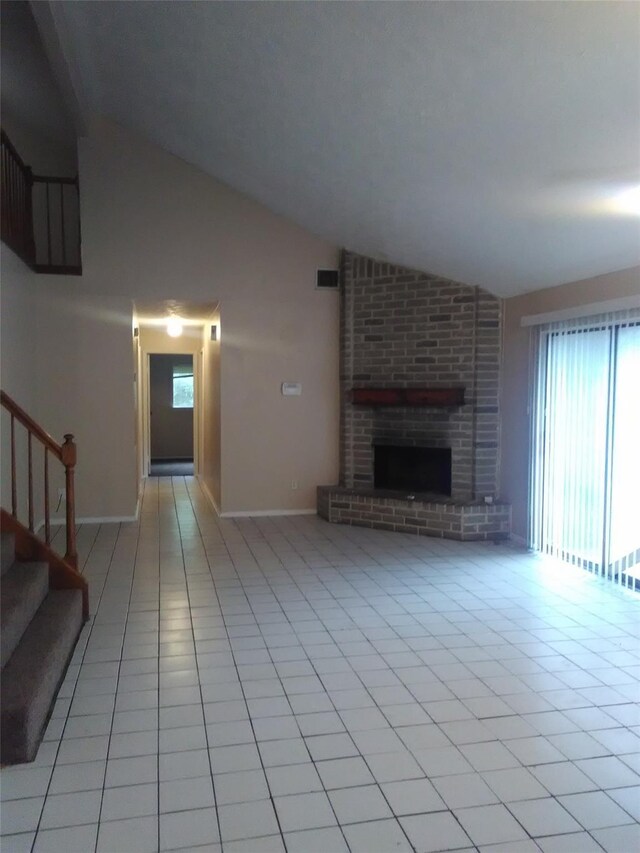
(183, 386)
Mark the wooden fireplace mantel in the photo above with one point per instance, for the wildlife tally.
(407, 396)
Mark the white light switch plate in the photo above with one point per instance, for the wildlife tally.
(291, 389)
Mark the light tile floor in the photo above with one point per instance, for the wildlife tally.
(286, 684)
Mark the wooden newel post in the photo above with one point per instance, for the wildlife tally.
(68, 457)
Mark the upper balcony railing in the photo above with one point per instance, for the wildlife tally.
(40, 215)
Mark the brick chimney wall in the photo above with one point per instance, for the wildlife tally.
(402, 328)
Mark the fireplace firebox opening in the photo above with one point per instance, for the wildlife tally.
(412, 469)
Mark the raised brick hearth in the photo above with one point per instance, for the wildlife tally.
(405, 329)
(430, 516)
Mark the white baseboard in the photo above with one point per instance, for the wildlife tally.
(208, 494)
(252, 513)
(124, 519)
(260, 513)
(102, 519)
(107, 519)
(97, 519)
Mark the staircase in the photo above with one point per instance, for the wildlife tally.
(40, 627)
(44, 600)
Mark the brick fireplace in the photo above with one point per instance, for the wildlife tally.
(420, 362)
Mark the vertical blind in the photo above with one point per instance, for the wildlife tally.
(585, 452)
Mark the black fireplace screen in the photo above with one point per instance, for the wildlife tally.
(413, 469)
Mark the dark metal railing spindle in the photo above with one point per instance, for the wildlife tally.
(47, 514)
(30, 481)
(48, 226)
(18, 228)
(64, 241)
(14, 487)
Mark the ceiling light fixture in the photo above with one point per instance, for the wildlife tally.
(174, 327)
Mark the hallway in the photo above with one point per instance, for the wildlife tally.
(282, 683)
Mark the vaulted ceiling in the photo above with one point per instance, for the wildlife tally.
(28, 90)
(486, 141)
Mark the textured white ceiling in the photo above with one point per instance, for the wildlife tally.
(478, 140)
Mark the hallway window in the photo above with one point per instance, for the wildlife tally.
(585, 464)
(183, 386)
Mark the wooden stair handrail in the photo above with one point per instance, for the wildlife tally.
(66, 453)
(27, 421)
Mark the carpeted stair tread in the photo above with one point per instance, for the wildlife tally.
(22, 590)
(33, 674)
(8, 551)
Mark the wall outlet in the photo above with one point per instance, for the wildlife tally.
(294, 485)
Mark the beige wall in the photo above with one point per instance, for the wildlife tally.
(136, 365)
(17, 352)
(62, 355)
(85, 386)
(155, 228)
(210, 424)
(515, 372)
(17, 361)
(268, 440)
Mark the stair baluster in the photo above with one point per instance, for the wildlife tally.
(66, 453)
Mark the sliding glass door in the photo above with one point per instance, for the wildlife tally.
(585, 461)
(624, 519)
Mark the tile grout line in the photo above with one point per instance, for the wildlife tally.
(115, 699)
(66, 718)
(197, 520)
(197, 666)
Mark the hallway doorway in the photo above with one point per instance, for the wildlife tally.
(172, 401)
(177, 359)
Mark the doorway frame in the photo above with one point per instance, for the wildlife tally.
(198, 409)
